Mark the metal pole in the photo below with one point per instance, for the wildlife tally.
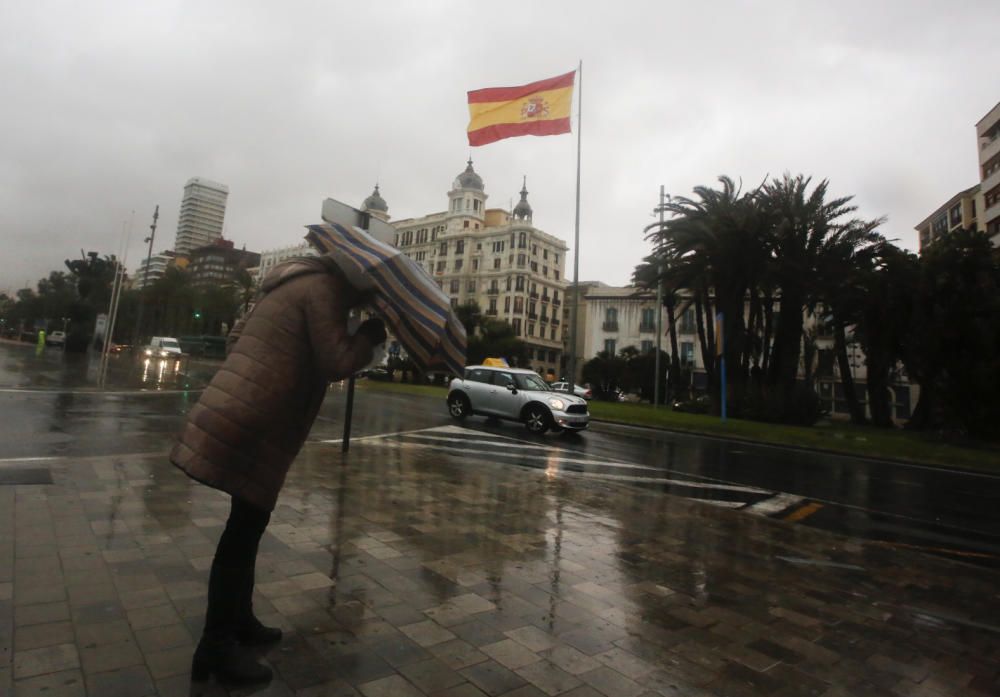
(145, 278)
(576, 234)
(348, 414)
(659, 317)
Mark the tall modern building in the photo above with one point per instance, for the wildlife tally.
(498, 258)
(203, 211)
(988, 135)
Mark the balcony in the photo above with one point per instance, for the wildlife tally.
(557, 302)
(546, 299)
(491, 313)
(555, 322)
(544, 318)
(610, 326)
(533, 296)
(493, 291)
(647, 328)
(532, 315)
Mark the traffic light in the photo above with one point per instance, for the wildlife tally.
(197, 314)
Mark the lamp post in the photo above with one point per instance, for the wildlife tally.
(659, 316)
(145, 277)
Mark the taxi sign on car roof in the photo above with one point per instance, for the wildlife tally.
(496, 363)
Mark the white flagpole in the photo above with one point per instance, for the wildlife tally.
(576, 235)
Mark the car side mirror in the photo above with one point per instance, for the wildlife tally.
(512, 388)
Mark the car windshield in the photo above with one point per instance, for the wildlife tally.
(531, 382)
(169, 343)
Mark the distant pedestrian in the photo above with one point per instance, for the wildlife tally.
(249, 425)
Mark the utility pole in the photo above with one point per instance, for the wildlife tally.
(659, 316)
(145, 278)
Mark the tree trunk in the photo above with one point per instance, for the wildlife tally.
(846, 377)
(765, 361)
(675, 359)
(706, 357)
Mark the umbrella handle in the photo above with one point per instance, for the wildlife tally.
(345, 444)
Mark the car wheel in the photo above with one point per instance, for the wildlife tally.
(537, 419)
(458, 406)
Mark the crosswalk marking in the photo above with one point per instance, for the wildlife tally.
(557, 461)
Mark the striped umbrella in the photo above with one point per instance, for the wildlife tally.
(417, 312)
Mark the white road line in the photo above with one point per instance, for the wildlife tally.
(775, 504)
(354, 439)
(551, 460)
(720, 504)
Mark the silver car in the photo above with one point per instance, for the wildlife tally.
(518, 395)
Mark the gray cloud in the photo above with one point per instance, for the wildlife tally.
(110, 107)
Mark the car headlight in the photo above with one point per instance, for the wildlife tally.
(557, 404)
(149, 352)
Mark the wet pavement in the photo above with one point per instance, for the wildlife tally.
(442, 560)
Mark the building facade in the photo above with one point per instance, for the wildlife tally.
(158, 265)
(616, 317)
(988, 137)
(272, 257)
(960, 212)
(497, 258)
(203, 213)
(219, 264)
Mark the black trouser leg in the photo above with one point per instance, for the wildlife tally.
(230, 583)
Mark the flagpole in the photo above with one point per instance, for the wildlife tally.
(576, 233)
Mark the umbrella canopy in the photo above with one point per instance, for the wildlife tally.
(418, 313)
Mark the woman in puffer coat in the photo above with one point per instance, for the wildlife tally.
(249, 425)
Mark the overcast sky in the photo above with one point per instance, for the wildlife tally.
(110, 107)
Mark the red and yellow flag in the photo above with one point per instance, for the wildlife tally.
(538, 109)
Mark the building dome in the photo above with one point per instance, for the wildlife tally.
(375, 202)
(469, 179)
(522, 211)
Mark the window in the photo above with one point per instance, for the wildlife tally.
(508, 283)
(545, 254)
(545, 271)
(519, 285)
(552, 332)
(687, 353)
(531, 309)
(611, 319)
(531, 328)
(421, 236)
(552, 356)
(496, 263)
(521, 259)
(555, 297)
(443, 250)
(609, 346)
(465, 223)
(522, 240)
(534, 250)
(471, 288)
(478, 375)
(494, 287)
(534, 267)
(492, 307)
(687, 322)
(458, 264)
(460, 247)
(455, 286)
(557, 274)
(648, 322)
(475, 264)
(519, 304)
(476, 204)
(646, 346)
(516, 325)
(506, 304)
(498, 247)
(454, 302)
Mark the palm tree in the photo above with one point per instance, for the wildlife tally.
(804, 224)
(646, 275)
(715, 245)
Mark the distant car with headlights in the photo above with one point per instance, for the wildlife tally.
(518, 395)
(162, 347)
(578, 390)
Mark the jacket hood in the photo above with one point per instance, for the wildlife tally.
(293, 268)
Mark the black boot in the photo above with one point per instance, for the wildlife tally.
(250, 631)
(218, 652)
(223, 658)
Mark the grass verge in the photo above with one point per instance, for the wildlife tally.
(839, 437)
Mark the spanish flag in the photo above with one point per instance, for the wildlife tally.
(538, 109)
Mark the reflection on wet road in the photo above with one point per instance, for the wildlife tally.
(50, 408)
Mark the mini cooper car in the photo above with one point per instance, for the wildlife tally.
(518, 395)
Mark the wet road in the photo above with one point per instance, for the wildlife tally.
(49, 408)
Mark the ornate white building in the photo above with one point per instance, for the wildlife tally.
(498, 258)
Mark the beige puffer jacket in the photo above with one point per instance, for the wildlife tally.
(251, 421)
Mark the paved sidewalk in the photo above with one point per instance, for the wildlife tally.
(405, 573)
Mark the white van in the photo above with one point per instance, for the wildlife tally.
(163, 347)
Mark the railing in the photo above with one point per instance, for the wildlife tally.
(491, 313)
(544, 318)
(555, 322)
(532, 315)
(647, 327)
(557, 302)
(533, 296)
(493, 291)
(610, 326)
